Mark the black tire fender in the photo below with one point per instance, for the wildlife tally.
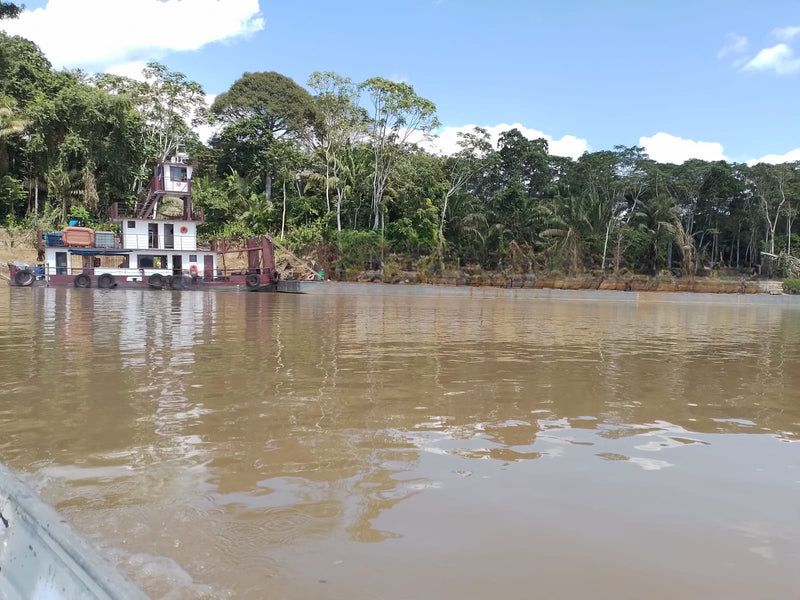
(106, 281)
(156, 281)
(82, 280)
(252, 280)
(24, 278)
(181, 282)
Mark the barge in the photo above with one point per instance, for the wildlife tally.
(146, 251)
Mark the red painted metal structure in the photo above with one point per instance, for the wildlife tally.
(260, 274)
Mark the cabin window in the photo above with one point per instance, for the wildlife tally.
(193, 258)
(178, 174)
(131, 224)
(148, 261)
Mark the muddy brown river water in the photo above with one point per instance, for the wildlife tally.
(223, 445)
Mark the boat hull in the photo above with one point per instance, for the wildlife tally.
(41, 556)
(255, 282)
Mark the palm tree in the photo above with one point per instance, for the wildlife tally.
(568, 227)
(10, 125)
(659, 217)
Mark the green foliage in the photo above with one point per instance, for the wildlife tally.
(12, 196)
(339, 174)
(9, 10)
(791, 286)
(359, 251)
(305, 237)
(236, 231)
(79, 213)
(282, 105)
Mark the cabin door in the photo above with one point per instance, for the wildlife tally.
(208, 266)
(169, 235)
(177, 264)
(152, 235)
(61, 263)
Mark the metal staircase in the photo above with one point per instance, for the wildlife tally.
(144, 208)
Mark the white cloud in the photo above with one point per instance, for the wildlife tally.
(666, 148)
(786, 33)
(96, 34)
(780, 59)
(569, 145)
(132, 70)
(734, 44)
(776, 159)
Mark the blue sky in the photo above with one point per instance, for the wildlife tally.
(722, 72)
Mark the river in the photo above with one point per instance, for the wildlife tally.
(224, 445)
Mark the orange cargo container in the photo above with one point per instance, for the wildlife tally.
(78, 236)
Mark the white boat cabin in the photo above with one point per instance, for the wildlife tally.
(143, 247)
(173, 176)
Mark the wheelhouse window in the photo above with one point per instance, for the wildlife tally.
(178, 174)
(131, 224)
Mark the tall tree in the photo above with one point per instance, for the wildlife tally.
(11, 124)
(170, 104)
(398, 115)
(523, 161)
(257, 109)
(769, 184)
(462, 166)
(341, 123)
(9, 10)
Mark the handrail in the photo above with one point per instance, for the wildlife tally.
(139, 272)
(138, 241)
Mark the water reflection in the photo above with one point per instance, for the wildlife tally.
(234, 444)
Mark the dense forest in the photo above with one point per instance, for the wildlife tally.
(336, 168)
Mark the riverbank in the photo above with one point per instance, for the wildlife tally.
(426, 290)
(19, 245)
(589, 281)
(16, 245)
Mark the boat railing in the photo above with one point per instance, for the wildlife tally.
(146, 241)
(137, 273)
(131, 241)
(121, 212)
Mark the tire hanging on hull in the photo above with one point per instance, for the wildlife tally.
(106, 281)
(23, 278)
(181, 282)
(252, 281)
(156, 281)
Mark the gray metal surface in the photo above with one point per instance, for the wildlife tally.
(41, 556)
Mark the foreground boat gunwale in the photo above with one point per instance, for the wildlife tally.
(63, 564)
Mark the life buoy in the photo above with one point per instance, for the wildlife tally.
(252, 281)
(156, 281)
(106, 281)
(23, 278)
(193, 270)
(184, 229)
(82, 281)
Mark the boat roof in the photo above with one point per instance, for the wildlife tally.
(98, 251)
